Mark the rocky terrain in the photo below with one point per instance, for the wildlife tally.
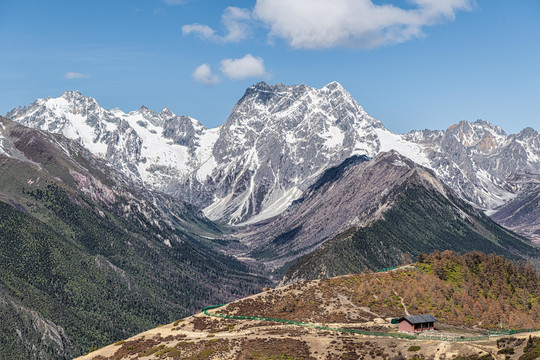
(258, 340)
(522, 214)
(277, 141)
(368, 214)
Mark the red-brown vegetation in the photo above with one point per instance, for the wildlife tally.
(471, 290)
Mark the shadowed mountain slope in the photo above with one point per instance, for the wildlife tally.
(416, 214)
(92, 257)
(371, 214)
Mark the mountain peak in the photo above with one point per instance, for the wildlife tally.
(480, 132)
(261, 85)
(146, 112)
(527, 132)
(71, 93)
(334, 85)
(73, 96)
(166, 112)
(466, 126)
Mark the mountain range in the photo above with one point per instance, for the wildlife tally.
(275, 144)
(370, 214)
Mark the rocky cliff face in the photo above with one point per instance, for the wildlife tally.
(522, 214)
(276, 142)
(151, 148)
(479, 160)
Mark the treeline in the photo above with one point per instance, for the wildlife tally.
(471, 289)
(419, 221)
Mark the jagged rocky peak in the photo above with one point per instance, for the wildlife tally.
(275, 144)
(277, 141)
(74, 95)
(134, 142)
(182, 130)
(278, 98)
(166, 112)
(481, 134)
(149, 115)
(74, 102)
(300, 112)
(527, 133)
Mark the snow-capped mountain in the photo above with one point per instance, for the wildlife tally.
(276, 142)
(149, 147)
(478, 160)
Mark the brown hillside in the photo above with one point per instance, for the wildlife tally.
(470, 290)
(466, 292)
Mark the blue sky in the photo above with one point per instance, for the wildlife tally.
(411, 64)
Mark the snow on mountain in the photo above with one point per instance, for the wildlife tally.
(276, 142)
(479, 159)
(390, 141)
(2, 140)
(151, 148)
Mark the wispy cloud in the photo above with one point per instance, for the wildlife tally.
(204, 31)
(237, 22)
(75, 75)
(203, 74)
(316, 24)
(243, 68)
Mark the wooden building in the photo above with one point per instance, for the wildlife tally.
(417, 323)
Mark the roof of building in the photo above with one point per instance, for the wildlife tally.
(419, 319)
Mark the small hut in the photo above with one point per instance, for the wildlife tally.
(417, 323)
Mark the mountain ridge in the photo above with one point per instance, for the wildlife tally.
(384, 199)
(467, 294)
(276, 142)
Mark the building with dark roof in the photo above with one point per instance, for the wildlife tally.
(417, 323)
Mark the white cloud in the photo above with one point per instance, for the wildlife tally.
(75, 75)
(204, 31)
(236, 20)
(358, 23)
(243, 68)
(203, 74)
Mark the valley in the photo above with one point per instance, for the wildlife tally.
(112, 223)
